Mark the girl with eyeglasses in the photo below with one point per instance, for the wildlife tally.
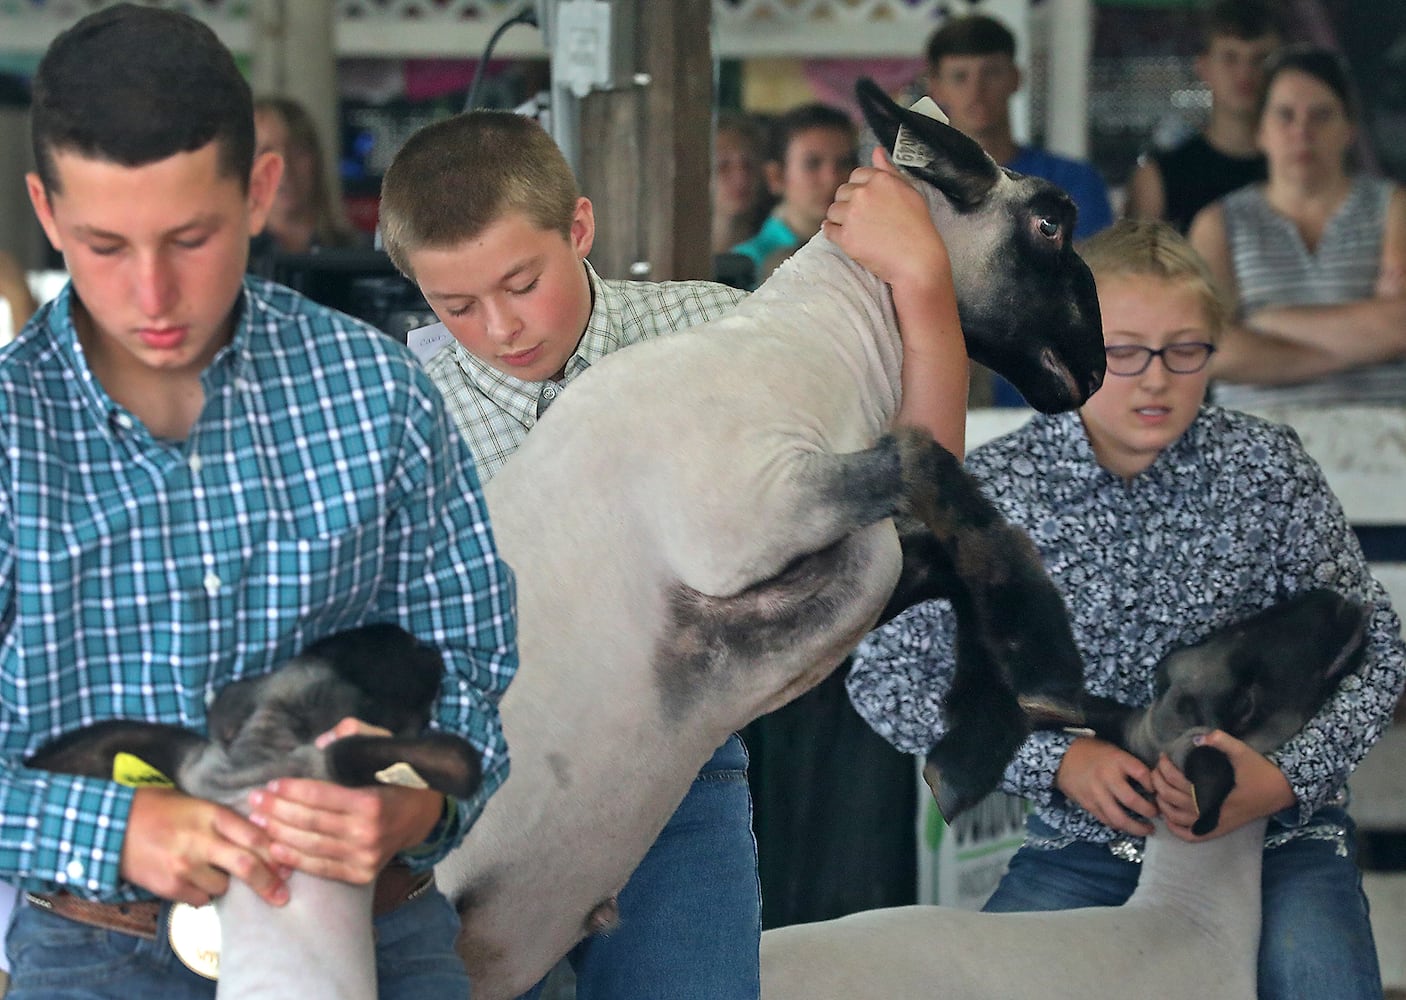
(1162, 518)
(1313, 260)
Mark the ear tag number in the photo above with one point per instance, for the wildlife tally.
(130, 770)
(908, 149)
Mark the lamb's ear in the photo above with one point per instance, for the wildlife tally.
(1210, 772)
(930, 149)
(447, 763)
(90, 751)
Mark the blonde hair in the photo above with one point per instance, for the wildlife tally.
(455, 178)
(1153, 249)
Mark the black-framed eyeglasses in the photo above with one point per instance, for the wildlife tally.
(1179, 359)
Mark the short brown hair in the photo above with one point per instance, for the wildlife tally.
(1246, 20)
(1153, 249)
(972, 35)
(134, 85)
(455, 178)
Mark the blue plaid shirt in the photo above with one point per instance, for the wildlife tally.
(323, 486)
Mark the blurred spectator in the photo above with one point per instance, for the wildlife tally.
(972, 76)
(305, 214)
(1174, 184)
(740, 200)
(813, 149)
(14, 290)
(1314, 259)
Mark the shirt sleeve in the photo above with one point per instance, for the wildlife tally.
(1095, 206)
(446, 583)
(56, 831)
(1317, 548)
(901, 673)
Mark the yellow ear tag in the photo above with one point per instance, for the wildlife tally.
(129, 769)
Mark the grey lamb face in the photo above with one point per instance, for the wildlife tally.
(1028, 304)
(1264, 678)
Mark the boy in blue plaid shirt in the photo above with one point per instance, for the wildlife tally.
(203, 473)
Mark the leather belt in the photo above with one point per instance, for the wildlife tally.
(395, 886)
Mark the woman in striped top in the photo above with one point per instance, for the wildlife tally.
(1314, 259)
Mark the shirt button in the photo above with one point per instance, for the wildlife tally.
(74, 870)
(549, 392)
(195, 464)
(124, 421)
(212, 584)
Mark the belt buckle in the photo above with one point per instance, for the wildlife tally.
(194, 933)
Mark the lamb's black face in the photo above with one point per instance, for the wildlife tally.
(1028, 304)
(1263, 679)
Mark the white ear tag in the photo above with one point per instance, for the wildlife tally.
(908, 149)
(401, 773)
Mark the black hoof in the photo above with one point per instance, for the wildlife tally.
(951, 799)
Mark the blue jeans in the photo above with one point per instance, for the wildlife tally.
(54, 958)
(1316, 942)
(690, 916)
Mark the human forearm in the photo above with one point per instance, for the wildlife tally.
(1368, 331)
(1031, 773)
(1250, 356)
(935, 367)
(881, 220)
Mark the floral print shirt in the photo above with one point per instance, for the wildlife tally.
(1229, 519)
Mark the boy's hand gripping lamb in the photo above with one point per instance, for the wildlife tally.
(701, 530)
(319, 945)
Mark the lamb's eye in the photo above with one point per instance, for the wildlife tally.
(1049, 228)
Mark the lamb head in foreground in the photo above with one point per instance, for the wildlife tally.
(1191, 928)
(318, 946)
(701, 528)
(1259, 680)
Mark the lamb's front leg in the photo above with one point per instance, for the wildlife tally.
(1014, 610)
(985, 727)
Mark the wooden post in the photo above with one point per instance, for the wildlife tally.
(293, 54)
(646, 149)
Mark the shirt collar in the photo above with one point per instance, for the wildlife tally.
(1074, 471)
(525, 401)
(63, 331)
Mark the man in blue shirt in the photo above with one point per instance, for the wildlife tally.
(203, 473)
(972, 76)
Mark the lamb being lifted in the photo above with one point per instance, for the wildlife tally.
(701, 530)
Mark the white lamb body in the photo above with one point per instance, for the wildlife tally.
(1191, 929)
(602, 768)
(700, 531)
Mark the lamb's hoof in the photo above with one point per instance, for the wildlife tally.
(1043, 712)
(951, 801)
